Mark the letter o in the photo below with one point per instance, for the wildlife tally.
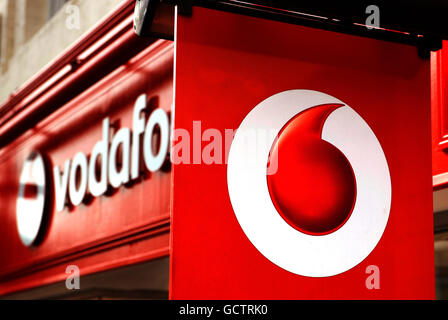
(78, 191)
(154, 162)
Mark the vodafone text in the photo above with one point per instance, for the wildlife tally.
(116, 159)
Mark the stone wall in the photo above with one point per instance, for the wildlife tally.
(30, 38)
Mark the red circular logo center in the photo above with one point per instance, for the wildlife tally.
(313, 187)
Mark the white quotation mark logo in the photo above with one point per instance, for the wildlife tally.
(325, 254)
(32, 201)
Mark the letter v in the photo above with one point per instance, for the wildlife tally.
(61, 186)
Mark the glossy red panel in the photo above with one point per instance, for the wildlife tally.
(226, 65)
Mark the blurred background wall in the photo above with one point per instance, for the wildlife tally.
(33, 32)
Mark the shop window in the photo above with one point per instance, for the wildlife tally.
(147, 280)
(441, 264)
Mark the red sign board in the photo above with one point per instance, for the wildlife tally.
(301, 164)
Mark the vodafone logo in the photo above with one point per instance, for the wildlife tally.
(32, 201)
(115, 160)
(326, 206)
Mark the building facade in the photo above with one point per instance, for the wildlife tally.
(76, 81)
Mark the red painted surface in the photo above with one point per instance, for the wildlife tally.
(226, 65)
(129, 225)
(439, 109)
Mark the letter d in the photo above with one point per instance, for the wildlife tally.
(98, 188)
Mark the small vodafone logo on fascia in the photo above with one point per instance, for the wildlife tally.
(325, 206)
(33, 199)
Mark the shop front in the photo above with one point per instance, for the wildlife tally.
(86, 185)
(124, 174)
